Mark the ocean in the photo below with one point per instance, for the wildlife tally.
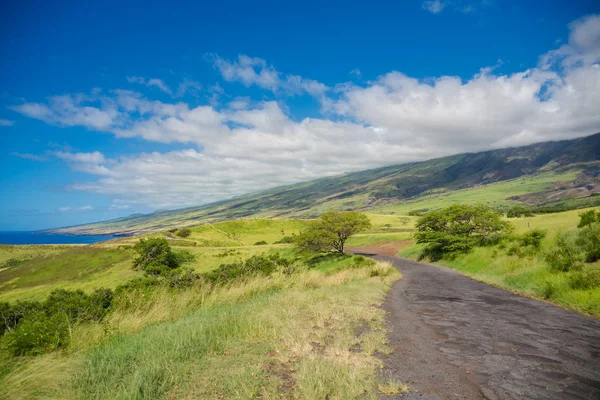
(24, 237)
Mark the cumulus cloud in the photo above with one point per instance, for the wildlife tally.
(255, 71)
(247, 146)
(6, 122)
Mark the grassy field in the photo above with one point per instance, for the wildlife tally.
(310, 335)
(495, 194)
(527, 275)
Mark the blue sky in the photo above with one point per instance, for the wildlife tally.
(131, 107)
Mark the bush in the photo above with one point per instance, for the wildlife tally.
(519, 212)
(255, 265)
(286, 240)
(587, 278)
(184, 232)
(588, 239)
(587, 218)
(37, 334)
(548, 289)
(564, 255)
(261, 243)
(155, 256)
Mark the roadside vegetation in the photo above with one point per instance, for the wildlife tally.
(273, 323)
(552, 257)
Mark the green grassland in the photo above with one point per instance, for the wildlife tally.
(312, 334)
(527, 275)
(495, 194)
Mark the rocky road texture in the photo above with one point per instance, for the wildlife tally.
(457, 338)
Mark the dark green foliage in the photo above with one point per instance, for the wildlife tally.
(519, 212)
(457, 229)
(564, 255)
(184, 256)
(331, 231)
(11, 262)
(34, 328)
(286, 239)
(532, 238)
(261, 243)
(155, 256)
(255, 265)
(586, 278)
(587, 218)
(417, 213)
(37, 334)
(588, 239)
(184, 232)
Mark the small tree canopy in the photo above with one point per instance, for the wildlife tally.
(155, 256)
(331, 231)
(519, 212)
(456, 229)
(587, 218)
(184, 232)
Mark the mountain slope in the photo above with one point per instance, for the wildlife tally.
(556, 170)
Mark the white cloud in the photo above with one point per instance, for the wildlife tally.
(151, 82)
(255, 71)
(583, 47)
(355, 72)
(434, 6)
(248, 145)
(115, 207)
(71, 209)
(28, 156)
(6, 122)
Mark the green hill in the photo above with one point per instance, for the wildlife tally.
(549, 173)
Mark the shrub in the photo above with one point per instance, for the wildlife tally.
(532, 238)
(78, 306)
(586, 278)
(548, 289)
(286, 239)
(519, 212)
(261, 243)
(184, 232)
(255, 265)
(564, 255)
(588, 239)
(37, 334)
(587, 218)
(155, 256)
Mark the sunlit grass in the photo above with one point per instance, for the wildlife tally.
(291, 336)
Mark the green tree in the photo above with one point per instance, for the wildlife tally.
(155, 256)
(184, 232)
(519, 212)
(587, 218)
(458, 228)
(331, 231)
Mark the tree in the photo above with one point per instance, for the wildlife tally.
(587, 218)
(519, 212)
(457, 229)
(155, 256)
(331, 231)
(184, 232)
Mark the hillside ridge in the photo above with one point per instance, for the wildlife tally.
(574, 163)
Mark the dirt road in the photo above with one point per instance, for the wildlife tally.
(457, 338)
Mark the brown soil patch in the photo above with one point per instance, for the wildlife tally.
(386, 249)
